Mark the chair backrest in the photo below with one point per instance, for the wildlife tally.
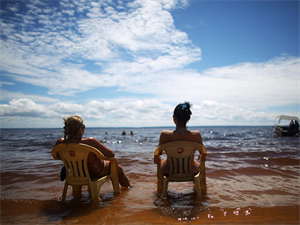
(180, 159)
(74, 156)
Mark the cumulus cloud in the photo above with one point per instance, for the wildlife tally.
(25, 108)
(101, 113)
(131, 113)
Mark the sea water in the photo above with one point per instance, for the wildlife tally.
(252, 177)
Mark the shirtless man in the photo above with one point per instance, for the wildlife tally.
(73, 130)
(181, 116)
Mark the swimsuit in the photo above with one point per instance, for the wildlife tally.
(101, 168)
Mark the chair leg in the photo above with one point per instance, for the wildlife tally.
(159, 185)
(63, 197)
(115, 184)
(160, 179)
(95, 191)
(203, 186)
(203, 177)
(77, 191)
(198, 186)
(165, 186)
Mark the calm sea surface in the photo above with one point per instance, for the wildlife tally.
(252, 178)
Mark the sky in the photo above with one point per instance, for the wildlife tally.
(129, 63)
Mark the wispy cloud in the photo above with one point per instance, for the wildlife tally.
(271, 83)
(9, 95)
(53, 46)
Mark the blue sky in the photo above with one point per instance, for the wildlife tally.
(129, 63)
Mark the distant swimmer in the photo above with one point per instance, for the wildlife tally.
(131, 133)
(123, 133)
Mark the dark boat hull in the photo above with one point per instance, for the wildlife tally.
(284, 132)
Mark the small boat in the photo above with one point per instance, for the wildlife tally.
(286, 126)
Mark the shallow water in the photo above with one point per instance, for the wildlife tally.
(252, 178)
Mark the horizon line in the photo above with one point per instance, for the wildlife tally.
(139, 127)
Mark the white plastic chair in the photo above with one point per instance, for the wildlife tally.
(180, 157)
(74, 156)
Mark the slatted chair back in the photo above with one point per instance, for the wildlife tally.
(75, 158)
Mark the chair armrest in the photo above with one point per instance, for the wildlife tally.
(157, 158)
(108, 158)
(103, 157)
(55, 154)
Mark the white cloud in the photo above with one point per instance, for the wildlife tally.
(130, 113)
(273, 83)
(55, 51)
(96, 113)
(5, 83)
(217, 113)
(261, 84)
(25, 108)
(9, 95)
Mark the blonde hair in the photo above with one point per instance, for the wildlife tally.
(72, 124)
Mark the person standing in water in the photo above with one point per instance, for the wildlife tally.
(73, 133)
(182, 114)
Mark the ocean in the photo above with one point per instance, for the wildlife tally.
(252, 178)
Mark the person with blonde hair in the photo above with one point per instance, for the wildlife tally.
(73, 133)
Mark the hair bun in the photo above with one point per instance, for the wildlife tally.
(183, 112)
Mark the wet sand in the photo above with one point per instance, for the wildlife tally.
(142, 205)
